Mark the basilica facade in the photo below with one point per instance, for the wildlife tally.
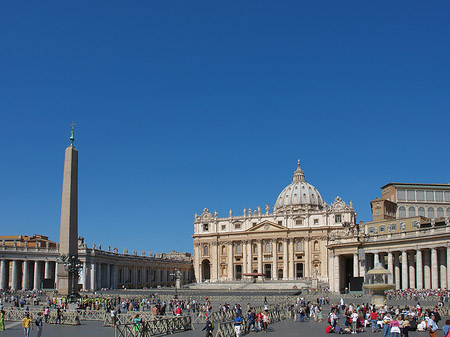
(286, 242)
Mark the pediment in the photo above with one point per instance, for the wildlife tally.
(266, 226)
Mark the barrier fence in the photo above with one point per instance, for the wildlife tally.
(156, 327)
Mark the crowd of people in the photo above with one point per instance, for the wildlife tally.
(419, 294)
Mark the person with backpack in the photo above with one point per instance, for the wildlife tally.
(446, 328)
(39, 324)
(209, 327)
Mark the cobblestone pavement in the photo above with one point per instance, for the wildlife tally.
(287, 328)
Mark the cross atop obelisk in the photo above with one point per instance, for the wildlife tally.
(68, 237)
(72, 133)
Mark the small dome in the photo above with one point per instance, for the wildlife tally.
(299, 193)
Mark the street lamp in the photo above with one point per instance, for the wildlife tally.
(71, 265)
(177, 274)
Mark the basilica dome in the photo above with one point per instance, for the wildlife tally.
(299, 193)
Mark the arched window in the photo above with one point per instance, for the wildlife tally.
(431, 212)
(316, 245)
(255, 249)
(280, 247)
(440, 212)
(402, 212)
(224, 250)
(411, 211)
(206, 250)
(299, 246)
(421, 211)
(448, 211)
(238, 248)
(267, 247)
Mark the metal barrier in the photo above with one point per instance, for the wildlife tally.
(156, 327)
(67, 316)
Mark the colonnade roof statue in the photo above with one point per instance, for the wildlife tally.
(299, 193)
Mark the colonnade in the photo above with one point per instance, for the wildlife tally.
(418, 268)
(26, 274)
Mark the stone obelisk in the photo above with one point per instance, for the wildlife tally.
(68, 237)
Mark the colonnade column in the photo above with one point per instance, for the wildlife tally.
(26, 275)
(15, 279)
(230, 260)
(94, 276)
(215, 261)
(419, 269)
(412, 271)
(274, 260)
(434, 266)
(426, 269)
(390, 268)
(4, 274)
(397, 271)
(260, 262)
(448, 267)
(443, 268)
(404, 270)
(285, 259)
(355, 265)
(86, 271)
(108, 276)
(37, 275)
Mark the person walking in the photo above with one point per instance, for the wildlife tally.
(432, 326)
(39, 324)
(2, 320)
(27, 325)
(209, 328)
(237, 325)
(58, 316)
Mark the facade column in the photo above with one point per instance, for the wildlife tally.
(412, 271)
(4, 274)
(249, 257)
(274, 260)
(291, 260)
(244, 257)
(86, 271)
(443, 268)
(419, 269)
(426, 269)
(47, 271)
(260, 256)
(404, 270)
(215, 261)
(355, 265)
(397, 271)
(434, 270)
(197, 266)
(15, 275)
(230, 261)
(390, 268)
(307, 269)
(37, 275)
(26, 275)
(285, 259)
(337, 276)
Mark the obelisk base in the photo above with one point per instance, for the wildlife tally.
(64, 285)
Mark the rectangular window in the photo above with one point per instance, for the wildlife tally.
(338, 219)
(430, 195)
(205, 227)
(411, 194)
(280, 223)
(224, 227)
(447, 195)
(316, 221)
(237, 226)
(298, 221)
(439, 196)
(420, 195)
(393, 226)
(401, 195)
(238, 249)
(371, 229)
(381, 228)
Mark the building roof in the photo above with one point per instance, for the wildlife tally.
(444, 186)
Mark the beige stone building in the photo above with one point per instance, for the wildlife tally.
(287, 242)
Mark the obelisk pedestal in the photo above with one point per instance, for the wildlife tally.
(68, 240)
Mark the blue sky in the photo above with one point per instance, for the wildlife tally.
(182, 105)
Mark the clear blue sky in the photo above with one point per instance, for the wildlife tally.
(182, 105)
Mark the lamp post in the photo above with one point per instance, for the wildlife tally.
(71, 264)
(177, 274)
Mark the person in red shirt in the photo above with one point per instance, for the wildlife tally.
(374, 320)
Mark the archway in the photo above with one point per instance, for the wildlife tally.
(238, 272)
(206, 270)
(268, 271)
